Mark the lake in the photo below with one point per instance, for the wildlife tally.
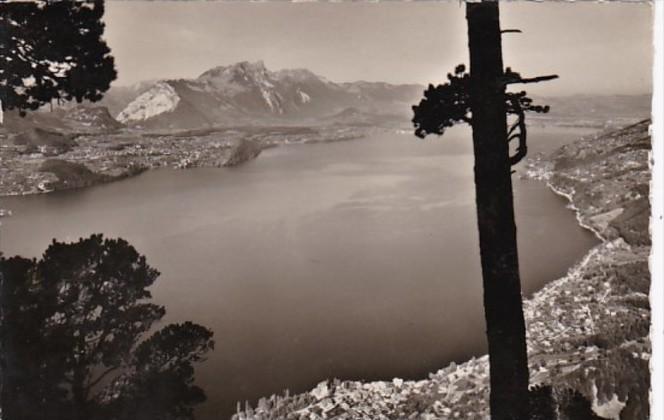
(355, 260)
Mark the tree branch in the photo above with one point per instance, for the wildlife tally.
(513, 136)
(520, 123)
(99, 378)
(519, 155)
(512, 128)
(532, 79)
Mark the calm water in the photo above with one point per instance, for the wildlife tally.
(352, 260)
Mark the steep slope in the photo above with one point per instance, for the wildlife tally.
(250, 93)
(118, 97)
(587, 331)
(160, 98)
(604, 176)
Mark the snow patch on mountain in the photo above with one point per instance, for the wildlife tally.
(272, 99)
(304, 98)
(248, 90)
(158, 99)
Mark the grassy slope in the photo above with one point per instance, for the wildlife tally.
(587, 330)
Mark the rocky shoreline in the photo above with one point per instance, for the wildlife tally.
(587, 331)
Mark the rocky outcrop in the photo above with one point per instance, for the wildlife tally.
(160, 98)
(249, 93)
(243, 151)
(587, 331)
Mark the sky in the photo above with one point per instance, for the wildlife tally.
(595, 48)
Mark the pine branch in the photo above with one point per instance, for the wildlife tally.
(100, 378)
(532, 79)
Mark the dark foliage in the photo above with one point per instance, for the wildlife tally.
(73, 341)
(52, 50)
(479, 98)
(448, 104)
(162, 372)
(30, 377)
(566, 404)
(541, 403)
(444, 105)
(574, 406)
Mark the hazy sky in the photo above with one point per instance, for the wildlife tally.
(594, 47)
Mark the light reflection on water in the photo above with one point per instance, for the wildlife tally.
(353, 260)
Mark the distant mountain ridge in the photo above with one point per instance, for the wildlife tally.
(596, 110)
(248, 92)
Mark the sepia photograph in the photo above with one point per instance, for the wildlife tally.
(302, 210)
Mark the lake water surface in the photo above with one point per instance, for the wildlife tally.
(356, 260)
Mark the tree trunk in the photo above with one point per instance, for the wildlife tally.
(495, 217)
(79, 397)
(7, 353)
(16, 371)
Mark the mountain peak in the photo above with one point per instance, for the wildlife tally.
(160, 98)
(298, 75)
(247, 89)
(256, 65)
(242, 67)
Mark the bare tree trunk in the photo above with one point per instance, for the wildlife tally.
(495, 217)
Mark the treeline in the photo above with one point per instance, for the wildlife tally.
(75, 338)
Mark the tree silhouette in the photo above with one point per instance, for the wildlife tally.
(445, 105)
(30, 380)
(547, 404)
(480, 99)
(52, 50)
(73, 338)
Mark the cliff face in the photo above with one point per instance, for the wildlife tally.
(243, 151)
(587, 331)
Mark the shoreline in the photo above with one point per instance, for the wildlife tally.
(577, 211)
(569, 330)
(587, 330)
(105, 157)
(314, 401)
